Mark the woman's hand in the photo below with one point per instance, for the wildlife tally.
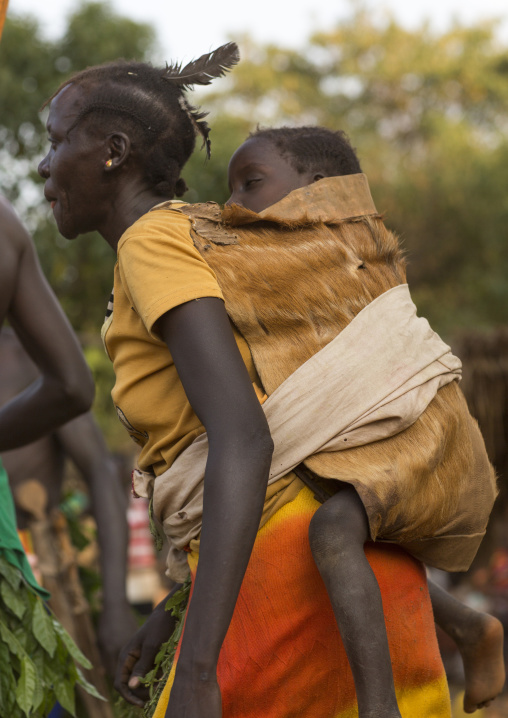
(138, 656)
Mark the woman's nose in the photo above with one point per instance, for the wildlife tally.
(43, 168)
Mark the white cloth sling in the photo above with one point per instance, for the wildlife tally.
(371, 382)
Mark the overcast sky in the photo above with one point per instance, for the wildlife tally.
(188, 29)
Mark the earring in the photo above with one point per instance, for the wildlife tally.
(109, 163)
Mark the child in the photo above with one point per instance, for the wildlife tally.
(266, 168)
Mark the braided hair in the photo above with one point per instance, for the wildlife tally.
(149, 103)
(313, 149)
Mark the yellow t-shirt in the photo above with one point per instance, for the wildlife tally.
(158, 269)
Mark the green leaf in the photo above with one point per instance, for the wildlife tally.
(43, 629)
(7, 689)
(179, 600)
(26, 687)
(11, 574)
(151, 676)
(65, 695)
(12, 599)
(11, 640)
(38, 695)
(89, 687)
(21, 633)
(71, 646)
(53, 671)
(4, 655)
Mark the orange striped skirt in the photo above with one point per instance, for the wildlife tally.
(283, 655)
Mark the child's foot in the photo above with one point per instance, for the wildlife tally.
(482, 653)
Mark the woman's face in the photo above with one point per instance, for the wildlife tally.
(259, 176)
(73, 168)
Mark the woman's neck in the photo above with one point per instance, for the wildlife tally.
(126, 210)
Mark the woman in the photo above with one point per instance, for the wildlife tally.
(120, 135)
(96, 179)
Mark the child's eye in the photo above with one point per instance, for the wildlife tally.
(252, 181)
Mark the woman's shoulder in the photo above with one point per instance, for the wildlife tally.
(162, 224)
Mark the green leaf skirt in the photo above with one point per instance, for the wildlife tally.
(38, 658)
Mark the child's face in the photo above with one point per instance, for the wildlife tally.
(258, 176)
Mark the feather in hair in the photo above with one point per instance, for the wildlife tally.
(206, 68)
(200, 126)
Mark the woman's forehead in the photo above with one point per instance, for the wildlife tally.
(66, 104)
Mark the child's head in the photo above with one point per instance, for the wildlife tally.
(272, 163)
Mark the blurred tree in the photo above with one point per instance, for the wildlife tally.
(428, 113)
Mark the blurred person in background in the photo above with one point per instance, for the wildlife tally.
(44, 461)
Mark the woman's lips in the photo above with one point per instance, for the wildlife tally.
(53, 202)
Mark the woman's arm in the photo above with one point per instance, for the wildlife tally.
(65, 387)
(199, 337)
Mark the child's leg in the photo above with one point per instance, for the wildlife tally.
(479, 638)
(337, 533)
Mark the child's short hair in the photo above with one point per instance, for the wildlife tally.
(313, 148)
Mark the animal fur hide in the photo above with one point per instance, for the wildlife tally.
(290, 287)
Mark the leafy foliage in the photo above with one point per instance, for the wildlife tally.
(37, 656)
(428, 114)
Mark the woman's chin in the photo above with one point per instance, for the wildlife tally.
(66, 231)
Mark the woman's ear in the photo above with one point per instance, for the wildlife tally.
(118, 150)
